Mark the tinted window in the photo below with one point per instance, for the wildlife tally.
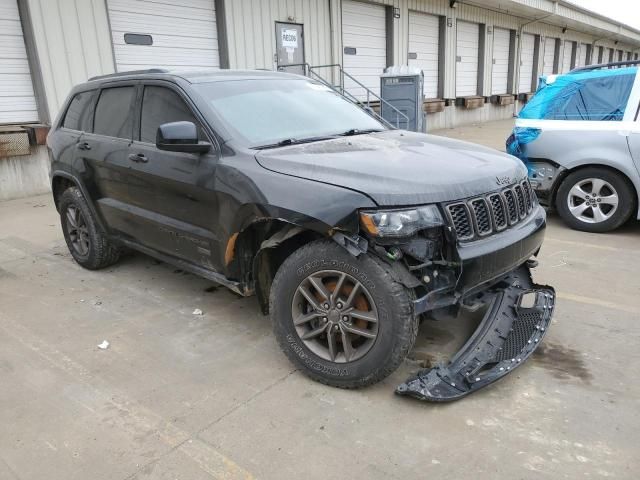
(113, 112)
(78, 115)
(162, 105)
(596, 99)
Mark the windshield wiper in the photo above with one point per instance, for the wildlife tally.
(293, 141)
(357, 131)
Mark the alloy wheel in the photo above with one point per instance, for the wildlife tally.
(77, 230)
(335, 316)
(593, 200)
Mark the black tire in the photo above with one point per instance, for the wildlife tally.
(100, 252)
(397, 326)
(624, 191)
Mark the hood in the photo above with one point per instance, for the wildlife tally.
(398, 167)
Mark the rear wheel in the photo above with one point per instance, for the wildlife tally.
(595, 200)
(342, 320)
(87, 243)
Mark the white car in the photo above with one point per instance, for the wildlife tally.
(580, 137)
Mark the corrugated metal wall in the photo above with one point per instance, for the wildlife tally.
(251, 30)
(73, 42)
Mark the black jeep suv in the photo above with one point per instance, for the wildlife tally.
(346, 230)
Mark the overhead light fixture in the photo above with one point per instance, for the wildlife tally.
(453, 3)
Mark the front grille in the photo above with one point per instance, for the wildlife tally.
(500, 213)
(482, 216)
(460, 217)
(512, 208)
(522, 206)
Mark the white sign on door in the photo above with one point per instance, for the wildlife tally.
(289, 38)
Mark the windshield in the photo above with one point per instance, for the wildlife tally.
(265, 112)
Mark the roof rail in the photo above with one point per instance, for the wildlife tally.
(130, 72)
(600, 66)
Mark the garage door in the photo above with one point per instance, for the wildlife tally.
(424, 48)
(526, 62)
(500, 67)
(567, 50)
(364, 41)
(581, 58)
(161, 33)
(17, 100)
(467, 43)
(549, 56)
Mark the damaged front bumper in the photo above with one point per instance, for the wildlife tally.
(517, 318)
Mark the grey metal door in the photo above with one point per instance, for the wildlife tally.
(290, 47)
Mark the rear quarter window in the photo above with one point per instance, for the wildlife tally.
(78, 116)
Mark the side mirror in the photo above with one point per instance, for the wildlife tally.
(180, 137)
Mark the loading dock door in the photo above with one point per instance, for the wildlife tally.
(566, 56)
(467, 50)
(582, 55)
(364, 41)
(549, 56)
(424, 49)
(526, 62)
(500, 67)
(17, 99)
(150, 34)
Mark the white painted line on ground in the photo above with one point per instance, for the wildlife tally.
(597, 302)
(590, 245)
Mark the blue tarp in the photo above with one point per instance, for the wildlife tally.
(592, 95)
(596, 95)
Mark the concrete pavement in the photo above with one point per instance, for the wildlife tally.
(180, 396)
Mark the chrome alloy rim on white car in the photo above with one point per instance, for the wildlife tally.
(593, 200)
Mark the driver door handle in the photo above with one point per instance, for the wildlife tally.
(84, 146)
(138, 158)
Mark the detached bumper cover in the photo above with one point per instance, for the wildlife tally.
(507, 335)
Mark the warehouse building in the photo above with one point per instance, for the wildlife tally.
(481, 59)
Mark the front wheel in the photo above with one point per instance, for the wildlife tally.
(344, 321)
(87, 243)
(595, 200)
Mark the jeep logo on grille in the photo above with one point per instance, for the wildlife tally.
(506, 180)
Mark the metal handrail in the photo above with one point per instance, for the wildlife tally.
(310, 71)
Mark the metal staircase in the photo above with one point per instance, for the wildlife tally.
(333, 76)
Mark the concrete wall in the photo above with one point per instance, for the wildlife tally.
(25, 175)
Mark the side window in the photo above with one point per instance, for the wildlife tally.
(595, 99)
(78, 116)
(114, 112)
(162, 105)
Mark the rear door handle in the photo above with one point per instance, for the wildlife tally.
(138, 158)
(84, 146)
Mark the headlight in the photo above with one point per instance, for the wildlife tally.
(400, 223)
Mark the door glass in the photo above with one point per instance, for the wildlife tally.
(290, 47)
(163, 105)
(78, 116)
(114, 112)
